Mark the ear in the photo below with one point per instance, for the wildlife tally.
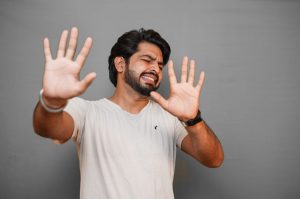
(119, 64)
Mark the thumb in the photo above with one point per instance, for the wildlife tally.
(86, 81)
(159, 99)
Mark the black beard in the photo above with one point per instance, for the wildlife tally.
(132, 79)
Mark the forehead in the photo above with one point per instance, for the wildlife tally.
(146, 48)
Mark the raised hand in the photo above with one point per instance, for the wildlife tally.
(184, 97)
(61, 79)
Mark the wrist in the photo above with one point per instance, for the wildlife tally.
(193, 121)
(52, 105)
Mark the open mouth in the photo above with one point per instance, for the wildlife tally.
(149, 78)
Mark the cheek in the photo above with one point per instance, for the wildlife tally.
(139, 68)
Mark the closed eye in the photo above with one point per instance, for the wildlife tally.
(147, 60)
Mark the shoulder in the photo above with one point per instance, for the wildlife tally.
(82, 101)
(80, 104)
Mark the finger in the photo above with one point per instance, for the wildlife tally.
(192, 72)
(62, 44)
(171, 73)
(72, 43)
(201, 81)
(86, 82)
(184, 67)
(47, 51)
(84, 51)
(159, 99)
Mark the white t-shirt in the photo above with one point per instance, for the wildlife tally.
(124, 155)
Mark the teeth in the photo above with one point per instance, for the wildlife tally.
(146, 77)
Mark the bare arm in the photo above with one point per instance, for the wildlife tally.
(202, 144)
(57, 126)
(60, 83)
(183, 102)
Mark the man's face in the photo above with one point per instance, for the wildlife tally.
(143, 73)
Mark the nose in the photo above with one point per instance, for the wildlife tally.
(155, 67)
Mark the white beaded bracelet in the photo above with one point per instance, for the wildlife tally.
(48, 109)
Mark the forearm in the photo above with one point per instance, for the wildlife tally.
(206, 145)
(50, 125)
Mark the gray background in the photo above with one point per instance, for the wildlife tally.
(248, 48)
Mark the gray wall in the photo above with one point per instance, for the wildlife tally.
(248, 48)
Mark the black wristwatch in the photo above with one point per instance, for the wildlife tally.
(194, 121)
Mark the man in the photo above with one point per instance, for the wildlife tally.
(126, 143)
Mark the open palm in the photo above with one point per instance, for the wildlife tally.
(183, 101)
(61, 79)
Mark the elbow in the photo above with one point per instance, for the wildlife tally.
(217, 159)
(214, 162)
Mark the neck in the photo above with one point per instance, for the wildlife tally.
(128, 99)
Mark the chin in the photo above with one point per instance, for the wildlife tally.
(145, 90)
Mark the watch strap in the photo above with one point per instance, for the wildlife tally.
(194, 121)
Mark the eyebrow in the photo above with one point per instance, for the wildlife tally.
(151, 58)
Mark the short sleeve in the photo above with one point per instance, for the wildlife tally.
(180, 133)
(77, 108)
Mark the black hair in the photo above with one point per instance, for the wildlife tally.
(127, 45)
